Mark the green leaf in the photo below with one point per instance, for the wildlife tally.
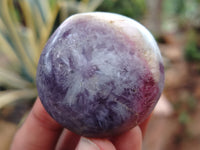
(14, 95)
(11, 79)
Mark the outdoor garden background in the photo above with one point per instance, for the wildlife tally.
(25, 26)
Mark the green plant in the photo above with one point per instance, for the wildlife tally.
(131, 8)
(192, 48)
(181, 14)
(192, 52)
(25, 26)
(184, 118)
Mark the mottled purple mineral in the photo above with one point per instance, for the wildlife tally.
(100, 74)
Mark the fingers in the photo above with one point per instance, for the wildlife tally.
(130, 140)
(67, 140)
(39, 131)
(143, 126)
(94, 144)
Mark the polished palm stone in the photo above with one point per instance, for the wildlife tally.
(100, 74)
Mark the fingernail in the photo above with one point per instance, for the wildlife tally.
(86, 144)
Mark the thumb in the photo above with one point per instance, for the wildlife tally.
(94, 144)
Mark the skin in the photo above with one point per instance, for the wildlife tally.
(41, 132)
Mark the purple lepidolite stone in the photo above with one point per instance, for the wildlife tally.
(100, 74)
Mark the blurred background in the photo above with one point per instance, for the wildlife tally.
(25, 26)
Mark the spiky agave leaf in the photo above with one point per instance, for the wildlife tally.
(14, 39)
(10, 96)
(11, 79)
(25, 26)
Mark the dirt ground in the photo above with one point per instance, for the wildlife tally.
(177, 130)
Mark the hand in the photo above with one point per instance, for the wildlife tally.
(41, 132)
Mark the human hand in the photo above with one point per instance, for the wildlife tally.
(41, 132)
